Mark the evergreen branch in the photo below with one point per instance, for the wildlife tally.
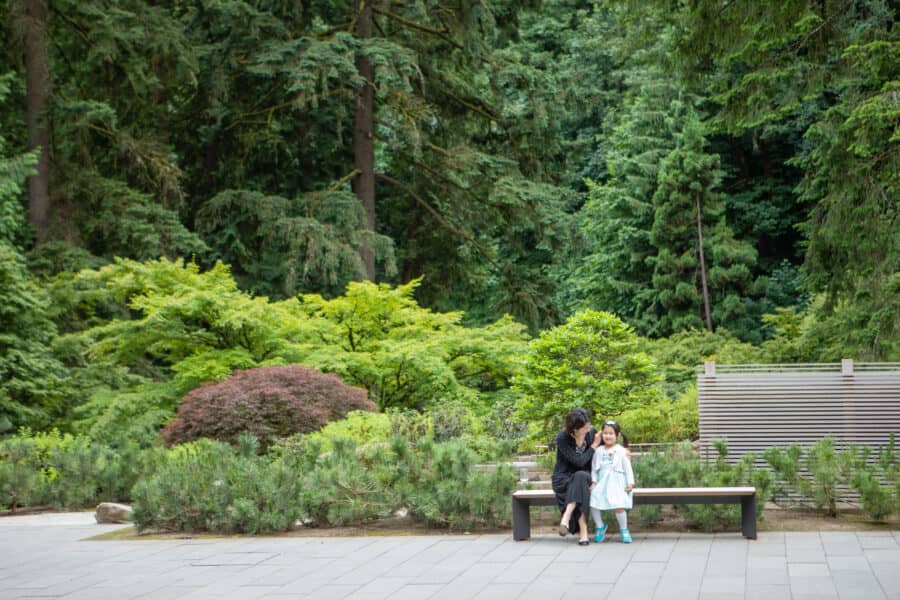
(824, 22)
(473, 107)
(340, 182)
(443, 221)
(239, 119)
(80, 29)
(418, 26)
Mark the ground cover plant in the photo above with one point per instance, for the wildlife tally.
(64, 471)
(822, 474)
(212, 486)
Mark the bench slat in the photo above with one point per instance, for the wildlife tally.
(745, 496)
(686, 492)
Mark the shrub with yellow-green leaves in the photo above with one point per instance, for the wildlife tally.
(179, 327)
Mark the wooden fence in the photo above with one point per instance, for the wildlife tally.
(755, 407)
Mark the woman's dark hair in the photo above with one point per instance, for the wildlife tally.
(576, 419)
(615, 427)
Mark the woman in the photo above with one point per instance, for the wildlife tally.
(575, 447)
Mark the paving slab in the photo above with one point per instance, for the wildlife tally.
(50, 556)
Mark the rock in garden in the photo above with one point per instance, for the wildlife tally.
(110, 512)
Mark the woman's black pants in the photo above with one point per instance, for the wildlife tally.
(573, 487)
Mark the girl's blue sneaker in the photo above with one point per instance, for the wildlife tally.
(601, 533)
(626, 536)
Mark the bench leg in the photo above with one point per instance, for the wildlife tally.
(521, 518)
(748, 516)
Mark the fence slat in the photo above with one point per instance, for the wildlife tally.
(755, 407)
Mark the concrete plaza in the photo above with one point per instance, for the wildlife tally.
(45, 556)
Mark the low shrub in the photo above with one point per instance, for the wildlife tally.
(448, 421)
(444, 487)
(664, 420)
(19, 474)
(266, 402)
(820, 473)
(64, 471)
(361, 426)
(211, 486)
(680, 466)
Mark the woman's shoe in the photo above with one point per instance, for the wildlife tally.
(626, 536)
(563, 530)
(583, 542)
(601, 533)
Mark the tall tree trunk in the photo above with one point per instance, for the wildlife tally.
(37, 90)
(703, 265)
(363, 183)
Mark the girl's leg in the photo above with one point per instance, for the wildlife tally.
(599, 524)
(622, 518)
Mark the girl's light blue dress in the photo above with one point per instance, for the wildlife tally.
(611, 472)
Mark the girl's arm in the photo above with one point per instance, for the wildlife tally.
(594, 468)
(629, 473)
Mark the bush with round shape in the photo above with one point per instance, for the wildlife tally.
(267, 402)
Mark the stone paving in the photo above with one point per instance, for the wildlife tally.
(45, 556)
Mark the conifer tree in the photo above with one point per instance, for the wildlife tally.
(617, 274)
(695, 273)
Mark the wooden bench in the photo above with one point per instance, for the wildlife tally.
(523, 500)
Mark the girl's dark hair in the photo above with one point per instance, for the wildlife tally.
(576, 419)
(615, 427)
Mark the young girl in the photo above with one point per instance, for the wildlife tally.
(611, 481)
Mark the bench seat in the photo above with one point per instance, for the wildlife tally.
(522, 500)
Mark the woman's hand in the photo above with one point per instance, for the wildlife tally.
(597, 440)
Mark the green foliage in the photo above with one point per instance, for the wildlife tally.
(591, 361)
(33, 378)
(820, 473)
(823, 466)
(678, 355)
(876, 482)
(206, 485)
(445, 488)
(408, 357)
(618, 216)
(277, 247)
(363, 427)
(686, 196)
(19, 474)
(147, 333)
(826, 70)
(679, 466)
(821, 333)
(211, 486)
(13, 172)
(664, 420)
(63, 470)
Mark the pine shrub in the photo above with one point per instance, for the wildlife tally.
(681, 467)
(266, 402)
(211, 486)
(19, 475)
(63, 470)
